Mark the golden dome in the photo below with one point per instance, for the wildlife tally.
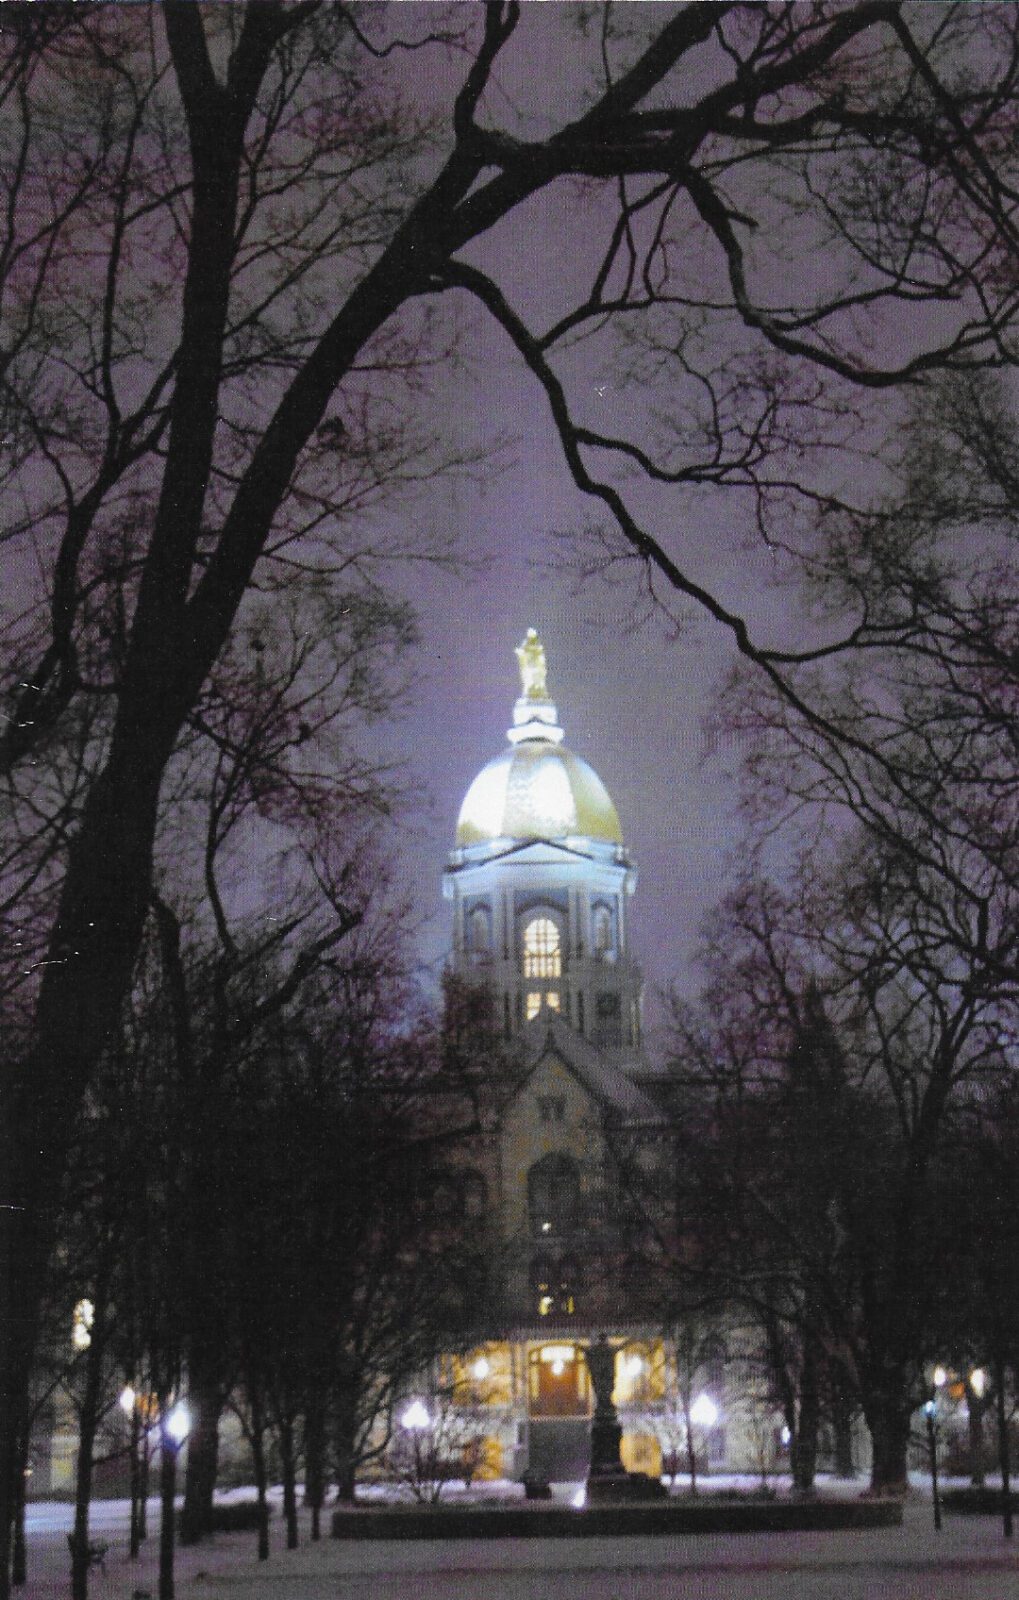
(536, 789)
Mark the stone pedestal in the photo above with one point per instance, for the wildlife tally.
(605, 1458)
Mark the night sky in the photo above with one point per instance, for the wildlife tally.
(632, 696)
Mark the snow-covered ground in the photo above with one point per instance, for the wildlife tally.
(968, 1560)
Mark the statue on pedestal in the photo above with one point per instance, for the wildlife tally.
(605, 1430)
(607, 1478)
(531, 660)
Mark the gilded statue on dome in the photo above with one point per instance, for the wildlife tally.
(531, 660)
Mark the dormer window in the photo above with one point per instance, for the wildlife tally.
(541, 949)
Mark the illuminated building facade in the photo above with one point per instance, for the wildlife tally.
(540, 882)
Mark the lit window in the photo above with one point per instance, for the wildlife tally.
(81, 1327)
(535, 1001)
(542, 958)
(541, 1285)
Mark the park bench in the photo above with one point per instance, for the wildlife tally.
(95, 1551)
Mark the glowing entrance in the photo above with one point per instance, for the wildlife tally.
(557, 1382)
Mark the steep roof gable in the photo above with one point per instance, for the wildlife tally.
(605, 1082)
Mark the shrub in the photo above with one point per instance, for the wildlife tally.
(239, 1516)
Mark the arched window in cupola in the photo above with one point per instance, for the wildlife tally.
(542, 948)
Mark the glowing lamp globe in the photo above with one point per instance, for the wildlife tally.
(704, 1411)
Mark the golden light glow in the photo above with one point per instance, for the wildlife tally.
(81, 1326)
(544, 1305)
(537, 790)
(531, 661)
(978, 1381)
(551, 1353)
(542, 956)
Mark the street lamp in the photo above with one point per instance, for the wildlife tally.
(174, 1429)
(416, 1421)
(131, 1403)
(416, 1417)
(178, 1423)
(704, 1411)
(930, 1412)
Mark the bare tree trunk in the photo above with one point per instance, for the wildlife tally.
(19, 1552)
(23, 1255)
(314, 1461)
(1003, 1450)
(345, 1440)
(842, 1428)
(143, 1489)
(257, 1441)
(889, 1434)
(203, 1450)
(691, 1445)
(976, 1408)
(288, 1469)
(135, 1536)
(167, 1496)
(88, 1422)
(804, 1442)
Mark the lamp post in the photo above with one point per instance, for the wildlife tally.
(930, 1412)
(174, 1429)
(703, 1413)
(416, 1421)
(129, 1404)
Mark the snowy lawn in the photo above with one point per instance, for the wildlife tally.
(969, 1560)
